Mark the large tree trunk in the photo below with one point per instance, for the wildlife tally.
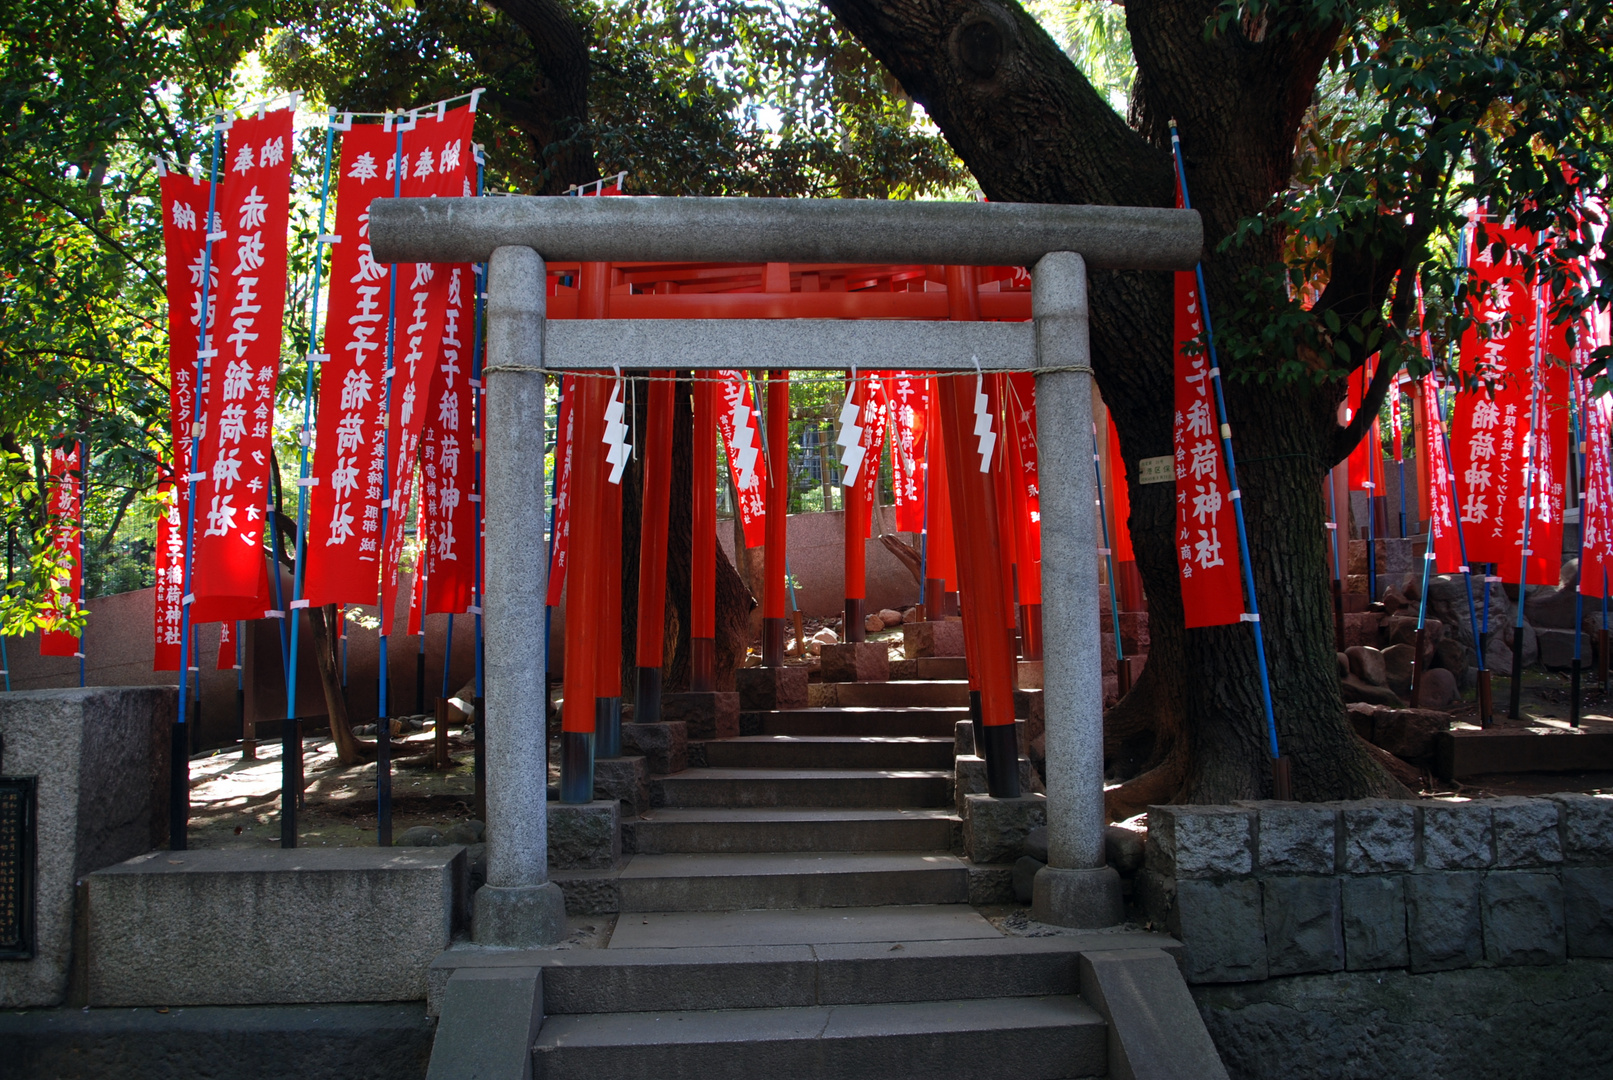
(1032, 129)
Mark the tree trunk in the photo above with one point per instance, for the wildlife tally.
(1032, 129)
(349, 750)
(734, 600)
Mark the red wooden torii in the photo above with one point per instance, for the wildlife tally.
(985, 559)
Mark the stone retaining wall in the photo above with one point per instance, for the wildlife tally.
(1265, 889)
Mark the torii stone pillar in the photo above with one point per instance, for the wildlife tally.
(519, 906)
(1077, 887)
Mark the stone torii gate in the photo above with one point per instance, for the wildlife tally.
(519, 906)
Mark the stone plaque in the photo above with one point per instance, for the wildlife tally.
(16, 867)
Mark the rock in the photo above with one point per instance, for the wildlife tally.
(1036, 839)
(1557, 649)
(1344, 665)
(1200, 841)
(1220, 923)
(1553, 605)
(421, 836)
(1379, 836)
(1499, 656)
(1456, 835)
(1453, 656)
(1375, 922)
(994, 830)
(585, 836)
(1525, 832)
(911, 614)
(1394, 600)
(1397, 668)
(825, 636)
(1353, 689)
(1588, 904)
(1025, 869)
(814, 647)
(465, 832)
(890, 616)
(665, 746)
(1297, 838)
(1366, 664)
(1523, 918)
(1124, 848)
(1443, 925)
(1408, 733)
(1587, 828)
(1439, 689)
(1302, 917)
(873, 624)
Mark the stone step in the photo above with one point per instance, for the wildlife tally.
(830, 752)
(702, 882)
(781, 976)
(930, 667)
(669, 830)
(1038, 1038)
(803, 787)
(879, 723)
(917, 693)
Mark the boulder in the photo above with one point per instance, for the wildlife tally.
(1439, 689)
(1124, 848)
(1397, 667)
(873, 623)
(1453, 656)
(465, 832)
(1408, 733)
(911, 614)
(1366, 664)
(825, 636)
(1553, 605)
(1036, 843)
(1344, 665)
(1499, 656)
(1353, 689)
(890, 616)
(420, 836)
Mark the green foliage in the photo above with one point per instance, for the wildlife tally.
(1427, 112)
(726, 97)
(1093, 34)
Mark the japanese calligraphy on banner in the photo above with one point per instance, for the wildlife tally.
(907, 402)
(1021, 411)
(242, 358)
(1596, 503)
(436, 161)
(448, 519)
(344, 515)
(560, 530)
(1206, 556)
(66, 494)
(742, 443)
(226, 645)
(872, 420)
(184, 226)
(1441, 498)
(1491, 436)
(170, 591)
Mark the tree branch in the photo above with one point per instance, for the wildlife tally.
(1348, 435)
(555, 116)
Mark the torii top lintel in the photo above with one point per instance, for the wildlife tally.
(783, 230)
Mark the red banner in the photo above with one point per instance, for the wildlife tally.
(1365, 463)
(1596, 503)
(170, 590)
(1394, 416)
(449, 518)
(1447, 545)
(184, 214)
(1119, 498)
(1021, 409)
(66, 494)
(436, 162)
(742, 443)
(1491, 437)
(561, 529)
(242, 358)
(344, 515)
(907, 401)
(1206, 543)
(226, 645)
(871, 419)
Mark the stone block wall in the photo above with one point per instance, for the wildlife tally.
(1263, 889)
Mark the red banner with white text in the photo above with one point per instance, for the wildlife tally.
(448, 516)
(1206, 541)
(65, 492)
(907, 400)
(1491, 434)
(436, 161)
(242, 358)
(1596, 503)
(561, 528)
(742, 443)
(1447, 545)
(170, 590)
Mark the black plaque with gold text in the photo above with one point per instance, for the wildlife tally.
(17, 867)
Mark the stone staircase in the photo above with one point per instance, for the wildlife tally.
(795, 907)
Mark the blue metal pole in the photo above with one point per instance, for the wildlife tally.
(1253, 603)
(383, 725)
(303, 437)
(179, 772)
